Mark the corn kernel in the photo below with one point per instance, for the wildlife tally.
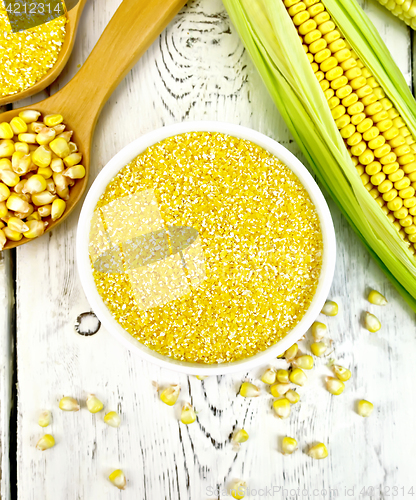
(238, 489)
(341, 373)
(279, 389)
(118, 478)
(29, 115)
(43, 198)
(376, 298)
(365, 408)
(298, 377)
(170, 395)
(60, 147)
(16, 204)
(112, 419)
(334, 386)
(12, 235)
(290, 353)
(94, 405)
(45, 442)
(282, 376)
(249, 390)
(57, 209)
(269, 376)
(6, 131)
(282, 408)
(44, 418)
(292, 396)
(240, 436)
(318, 348)
(75, 172)
(53, 120)
(68, 404)
(318, 451)
(318, 330)
(289, 445)
(188, 415)
(16, 224)
(305, 362)
(330, 308)
(371, 322)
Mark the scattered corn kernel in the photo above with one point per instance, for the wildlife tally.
(365, 408)
(118, 478)
(298, 377)
(318, 451)
(319, 330)
(240, 436)
(45, 442)
(318, 348)
(371, 322)
(269, 376)
(279, 389)
(68, 404)
(94, 405)
(290, 354)
(305, 362)
(330, 308)
(170, 395)
(112, 418)
(341, 373)
(282, 376)
(289, 445)
(44, 418)
(334, 386)
(292, 396)
(249, 390)
(282, 407)
(238, 489)
(188, 415)
(376, 298)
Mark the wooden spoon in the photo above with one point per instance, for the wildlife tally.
(73, 16)
(133, 28)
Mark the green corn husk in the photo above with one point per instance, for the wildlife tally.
(273, 43)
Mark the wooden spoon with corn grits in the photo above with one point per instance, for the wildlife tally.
(133, 28)
(73, 16)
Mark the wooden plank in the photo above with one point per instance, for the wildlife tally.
(6, 367)
(198, 69)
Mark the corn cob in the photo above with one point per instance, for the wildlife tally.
(351, 112)
(380, 145)
(403, 9)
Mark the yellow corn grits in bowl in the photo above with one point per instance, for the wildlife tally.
(213, 248)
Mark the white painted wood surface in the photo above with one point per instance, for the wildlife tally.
(198, 69)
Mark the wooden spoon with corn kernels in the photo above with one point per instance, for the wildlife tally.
(133, 28)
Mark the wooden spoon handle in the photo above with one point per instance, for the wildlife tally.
(133, 28)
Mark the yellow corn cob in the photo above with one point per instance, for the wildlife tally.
(403, 9)
(380, 145)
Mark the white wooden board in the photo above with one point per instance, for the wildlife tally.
(198, 69)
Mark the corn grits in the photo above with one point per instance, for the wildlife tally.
(26, 56)
(243, 282)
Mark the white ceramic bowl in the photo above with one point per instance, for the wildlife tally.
(128, 154)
